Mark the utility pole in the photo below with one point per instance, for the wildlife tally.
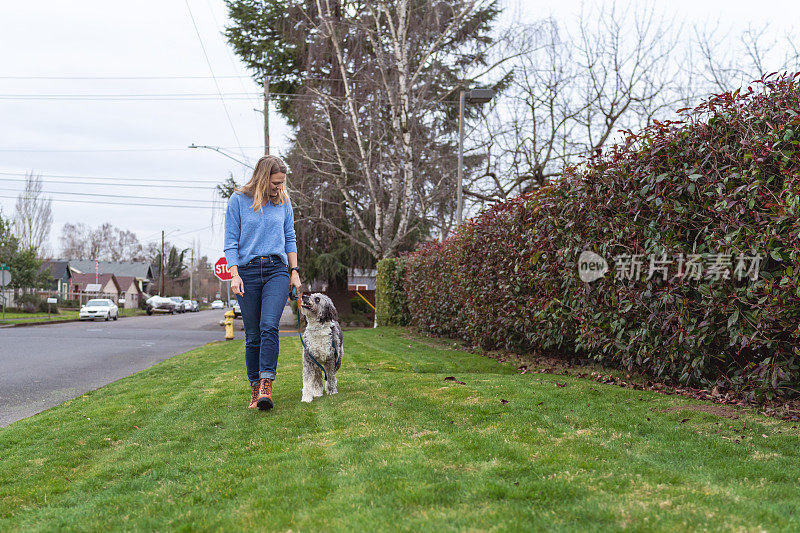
(161, 268)
(459, 198)
(266, 115)
(191, 273)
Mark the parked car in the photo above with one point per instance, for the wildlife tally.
(178, 303)
(237, 311)
(217, 304)
(160, 304)
(99, 308)
(195, 306)
(187, 306)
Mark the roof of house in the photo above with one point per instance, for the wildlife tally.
(58, 269)
(141, 270)
(81, 280)
(126, 281)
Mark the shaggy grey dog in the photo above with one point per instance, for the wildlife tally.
(323, 339)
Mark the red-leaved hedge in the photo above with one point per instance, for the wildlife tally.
(724, 180)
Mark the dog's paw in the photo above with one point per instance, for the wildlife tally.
(306, 399)
(317, 393)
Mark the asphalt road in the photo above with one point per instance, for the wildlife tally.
(43, 366)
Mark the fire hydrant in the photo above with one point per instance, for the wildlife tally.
(229, 325)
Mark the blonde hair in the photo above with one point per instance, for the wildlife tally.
(259, 183)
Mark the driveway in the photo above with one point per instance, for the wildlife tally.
(43, 366)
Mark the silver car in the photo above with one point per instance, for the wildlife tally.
(178, 303)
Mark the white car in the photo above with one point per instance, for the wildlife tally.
(179, 308)
(187, 306)
(159, 304)
(217, 304)
(99, 308)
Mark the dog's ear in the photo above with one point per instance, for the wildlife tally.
(328, 312)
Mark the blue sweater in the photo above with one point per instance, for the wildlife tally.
(250, 234)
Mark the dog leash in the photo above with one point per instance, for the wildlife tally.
(293, 296)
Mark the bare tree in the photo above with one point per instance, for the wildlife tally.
(725, 62)
(570, 94)
(33, 216)
(392, 121)
(107, 242)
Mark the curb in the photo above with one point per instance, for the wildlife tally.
(40, 323)
(47, 322)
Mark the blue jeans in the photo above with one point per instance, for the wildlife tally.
(266, 289)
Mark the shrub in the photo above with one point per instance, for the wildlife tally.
(359, 306)
(30, 303)
(724, 180)
(391, 305)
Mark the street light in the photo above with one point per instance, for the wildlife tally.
(218, 149)
(475, 96)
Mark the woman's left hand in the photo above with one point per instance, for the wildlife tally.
(295, 281)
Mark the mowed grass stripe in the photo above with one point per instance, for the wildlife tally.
(399, 448)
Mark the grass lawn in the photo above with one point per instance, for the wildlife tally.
(63, 315)
(399, 448)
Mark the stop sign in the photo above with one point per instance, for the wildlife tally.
(221, 269)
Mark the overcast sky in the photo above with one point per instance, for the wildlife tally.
(138, 140)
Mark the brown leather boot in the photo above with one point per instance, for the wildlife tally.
(264, 400)
(253, 396)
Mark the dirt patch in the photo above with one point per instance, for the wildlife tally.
(718, 410)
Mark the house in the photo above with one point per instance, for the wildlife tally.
(130, 291)
(61, 274)
(360, 279)
(361, 283)
(142, 271)
(109, 286)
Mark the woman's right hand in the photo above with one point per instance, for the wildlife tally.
(237, 286)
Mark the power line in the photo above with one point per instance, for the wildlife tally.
(102, 95)
(211, 70)
(114, 98)
(117, 77)
(104, 184)
(136, 197)
(160, 180)
(228, 51)
(124, 204)
(112, 149)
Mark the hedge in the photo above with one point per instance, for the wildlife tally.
(391, 306)
(724, 180)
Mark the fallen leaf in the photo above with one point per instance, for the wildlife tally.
(560, 384)
(503, 401)
(684, 420)
(451, 378)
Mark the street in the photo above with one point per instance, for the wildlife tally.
(43, 366)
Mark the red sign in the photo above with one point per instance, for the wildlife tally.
(221, 269)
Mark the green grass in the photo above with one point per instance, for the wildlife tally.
(22, 317)
(63, 315)
(399, 448)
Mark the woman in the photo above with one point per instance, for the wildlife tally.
(261, 251)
